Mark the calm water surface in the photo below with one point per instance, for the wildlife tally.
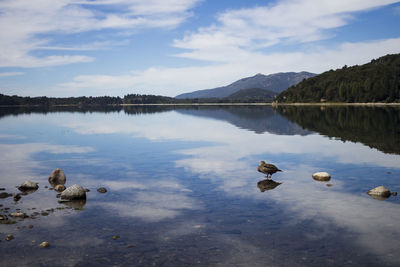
(183, 187)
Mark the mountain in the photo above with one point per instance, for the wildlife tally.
(377, 81)
(274, 82)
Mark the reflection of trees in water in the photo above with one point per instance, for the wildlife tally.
(259, 119)
(377, 127)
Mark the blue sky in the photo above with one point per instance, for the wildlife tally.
(168, 47)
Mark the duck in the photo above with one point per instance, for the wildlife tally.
(267, 168)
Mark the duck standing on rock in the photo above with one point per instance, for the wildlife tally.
(267, 168)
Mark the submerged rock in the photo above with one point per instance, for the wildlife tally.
(321, 176)
(115, 237)
(9, 237)
(265, 185)
(74, 204)
(44, 244)
(59, 187)
(101, 190)
(28, 185)
(74, 192)
(394, 194)
(379, 193)
(57, 177)
(17, 197)
(5, 195)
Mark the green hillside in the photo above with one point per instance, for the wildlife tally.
(377, 81)
(252, 95)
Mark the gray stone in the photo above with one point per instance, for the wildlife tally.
(74, 192)
(28, 185)
(379, 193)
(57, 177)
(321, 176)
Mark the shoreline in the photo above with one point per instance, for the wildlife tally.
(216, 104)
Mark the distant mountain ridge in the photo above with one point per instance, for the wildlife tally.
(277, 83)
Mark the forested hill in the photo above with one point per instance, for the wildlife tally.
(377, 81)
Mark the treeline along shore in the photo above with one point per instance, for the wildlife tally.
(131, 99)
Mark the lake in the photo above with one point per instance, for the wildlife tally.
(183, 187)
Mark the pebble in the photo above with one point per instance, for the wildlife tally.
(30, 226)
(101, 190)
(44, 213)
(115, 237)
(18, 214)
(329, 185)
(9, 237)
(44, 244)
(394, 194)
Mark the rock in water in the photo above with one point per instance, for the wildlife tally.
(28, 185)
(17, 197)
(44, 244)
(101, 190)
(380, 193)
(57, 177)
(59, 187)
(18, 214)
(321, 176)
(5, 195)
(74, 192)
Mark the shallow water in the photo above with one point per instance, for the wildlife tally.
(183, 187)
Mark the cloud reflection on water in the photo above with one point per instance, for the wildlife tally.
(153, 200)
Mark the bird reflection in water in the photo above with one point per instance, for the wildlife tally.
(267, 184)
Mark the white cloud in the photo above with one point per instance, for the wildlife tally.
(263, 26)
(233, 63)
(8, 74)
(23, 22)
